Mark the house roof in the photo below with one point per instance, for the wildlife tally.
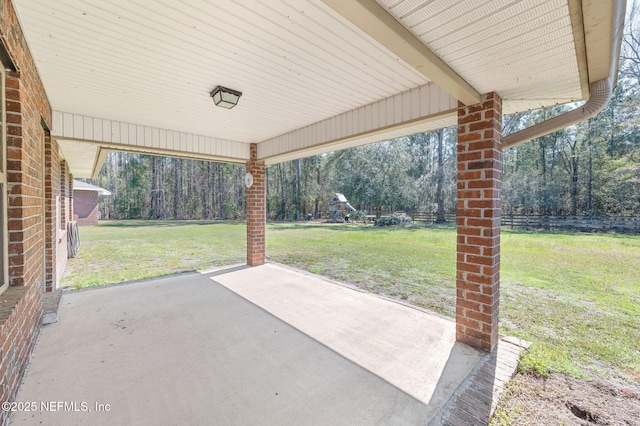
(79, 185)
(338, 198)
(315, 75)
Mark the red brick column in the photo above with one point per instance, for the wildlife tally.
(256, 210)
(479, 183)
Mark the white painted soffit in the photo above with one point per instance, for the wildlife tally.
(533, 53)
(82, 159)
(419, 110)
(389, 32)
(154, 63)
(523, 50)
(301, 65)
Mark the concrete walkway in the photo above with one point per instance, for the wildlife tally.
(238, 346)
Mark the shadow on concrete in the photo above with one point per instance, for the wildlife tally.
(224, 270)
(444, 390)
(475, 400)
(184, 350)
(187, 350)
(408, 347)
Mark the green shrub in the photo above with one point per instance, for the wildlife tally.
(358, 216)
(395, 219)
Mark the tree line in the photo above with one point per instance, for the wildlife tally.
(412, 173)
(592, 168)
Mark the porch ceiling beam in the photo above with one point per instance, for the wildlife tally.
(374, 20)
(447, 119)
(80, 135)
(417, 110)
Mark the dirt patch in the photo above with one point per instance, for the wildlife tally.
(562, 400)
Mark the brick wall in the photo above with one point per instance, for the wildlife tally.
(478, 211)
(85, 207)
(64, 205)
(28, 117)
(57, 207)
(52, 183)
(66, 213)
(256, 210)
(20, 311)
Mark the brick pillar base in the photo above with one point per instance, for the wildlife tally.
(256, 210)
(478, 248)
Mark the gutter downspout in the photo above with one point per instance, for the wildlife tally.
(600, 94)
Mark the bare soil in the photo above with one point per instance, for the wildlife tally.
(558, 399)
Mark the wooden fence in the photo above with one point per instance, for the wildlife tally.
(430, 217)
(622, 224)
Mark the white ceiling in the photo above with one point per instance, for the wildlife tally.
(302, 62)
(523, 50)
(155, 62)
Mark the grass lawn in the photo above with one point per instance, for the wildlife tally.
(119, 251)
(575, 296)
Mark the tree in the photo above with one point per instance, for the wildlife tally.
(439, 135)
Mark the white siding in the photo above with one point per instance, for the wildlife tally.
(114, 135)
(399, 112)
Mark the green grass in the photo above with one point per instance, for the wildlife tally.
(576, 297)
(417, 265)
(119, 251)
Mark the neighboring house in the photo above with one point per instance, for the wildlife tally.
(85, 202)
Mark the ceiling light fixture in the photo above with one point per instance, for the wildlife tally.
(225, 98)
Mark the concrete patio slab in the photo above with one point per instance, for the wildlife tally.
(412, 349)
(266, 345)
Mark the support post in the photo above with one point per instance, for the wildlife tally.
(478, 211)
(256, 210)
